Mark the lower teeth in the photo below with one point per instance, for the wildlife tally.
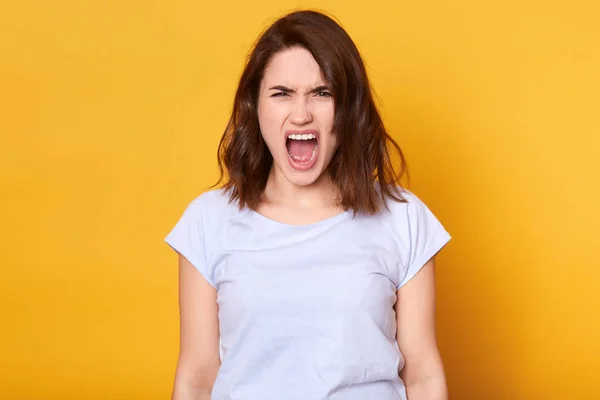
(304, 162)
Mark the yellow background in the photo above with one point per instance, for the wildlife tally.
(110, 115)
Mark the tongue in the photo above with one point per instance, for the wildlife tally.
(301, 150)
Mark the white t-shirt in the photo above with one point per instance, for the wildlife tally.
(306, 312)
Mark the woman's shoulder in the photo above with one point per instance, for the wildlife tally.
(408, 212)
(214, 198)
(208, 214)
(395, 208)
(213, 205)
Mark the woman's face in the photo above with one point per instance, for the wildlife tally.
(295, 113)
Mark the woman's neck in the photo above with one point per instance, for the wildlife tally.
(320, 194)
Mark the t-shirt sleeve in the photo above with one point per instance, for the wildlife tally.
(187, 238)
(426, 237)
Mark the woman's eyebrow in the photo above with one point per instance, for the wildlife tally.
(322, 88)
(286, 89)
(282, 88)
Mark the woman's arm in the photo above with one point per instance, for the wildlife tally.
(423, 372)
(199, 335)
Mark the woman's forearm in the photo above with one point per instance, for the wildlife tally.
(193, 383)
(188, 391)
(430, 388)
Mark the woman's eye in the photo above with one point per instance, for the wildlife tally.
(323, 94)
(279, 94)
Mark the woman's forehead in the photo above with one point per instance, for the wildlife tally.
(295, 68)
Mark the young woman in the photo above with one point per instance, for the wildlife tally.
(310, 273)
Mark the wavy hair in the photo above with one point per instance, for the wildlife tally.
(363, 156)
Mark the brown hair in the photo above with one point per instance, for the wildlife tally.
(362, 157)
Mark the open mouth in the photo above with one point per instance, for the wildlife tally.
(302, 149)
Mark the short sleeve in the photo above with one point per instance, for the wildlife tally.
(426, 236)
(187, 238)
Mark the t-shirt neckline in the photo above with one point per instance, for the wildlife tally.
(269, 221)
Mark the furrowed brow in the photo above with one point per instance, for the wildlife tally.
(321, 88)
(285, 89)
(282, 89)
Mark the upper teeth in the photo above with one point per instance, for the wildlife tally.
(304, 136)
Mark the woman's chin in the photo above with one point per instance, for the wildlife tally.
(302, 178)
(305, 178)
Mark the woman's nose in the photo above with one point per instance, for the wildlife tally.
(300, 113)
